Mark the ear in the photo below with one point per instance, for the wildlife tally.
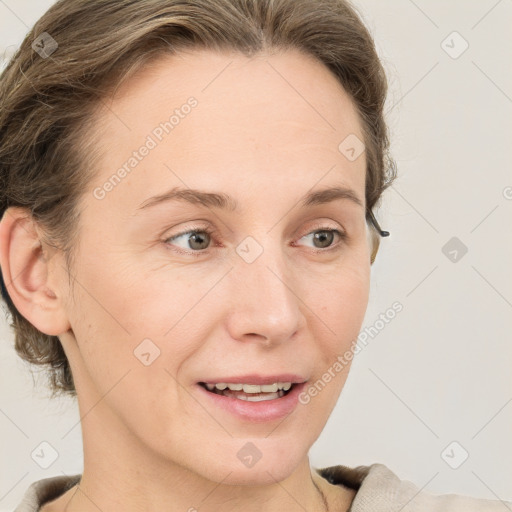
(25, 271)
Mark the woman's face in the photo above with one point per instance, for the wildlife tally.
(161, 305)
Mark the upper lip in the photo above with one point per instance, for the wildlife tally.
(258, 379)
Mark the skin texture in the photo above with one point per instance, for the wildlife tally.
(266, 131)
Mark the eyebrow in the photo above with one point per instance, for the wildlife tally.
(220, 200)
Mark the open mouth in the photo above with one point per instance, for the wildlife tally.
(249, 392)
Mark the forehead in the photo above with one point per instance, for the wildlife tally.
(276, 119)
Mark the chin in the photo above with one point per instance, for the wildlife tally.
(259, 474)
(247, 466)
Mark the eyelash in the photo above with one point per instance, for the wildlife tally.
(212, 232)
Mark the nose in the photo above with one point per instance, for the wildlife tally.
(264, 306)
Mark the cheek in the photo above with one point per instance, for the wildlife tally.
(341, 316)
(125, 364)
(341, 303)
(109, 321)
(341, 307)
(128, 319)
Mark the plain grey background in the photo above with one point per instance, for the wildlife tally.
(433, 386)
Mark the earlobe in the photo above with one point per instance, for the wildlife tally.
(25, 272)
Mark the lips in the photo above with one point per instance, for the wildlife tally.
(257, 379)
(253, 411)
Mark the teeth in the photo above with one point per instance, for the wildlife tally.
(251, 388)
(261, 398)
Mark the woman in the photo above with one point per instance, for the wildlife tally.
(186, 243)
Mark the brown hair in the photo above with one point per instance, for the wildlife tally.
(48, 101)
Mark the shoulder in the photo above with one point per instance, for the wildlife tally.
(380, 490)
(45, 490)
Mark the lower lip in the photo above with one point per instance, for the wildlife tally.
(257, 412)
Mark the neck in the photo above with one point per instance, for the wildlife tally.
(122, 474)
(294, 494)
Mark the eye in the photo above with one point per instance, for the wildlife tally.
(195, 239)
(324, 238)
(196, 242)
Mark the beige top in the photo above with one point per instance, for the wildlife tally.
(378, 490)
